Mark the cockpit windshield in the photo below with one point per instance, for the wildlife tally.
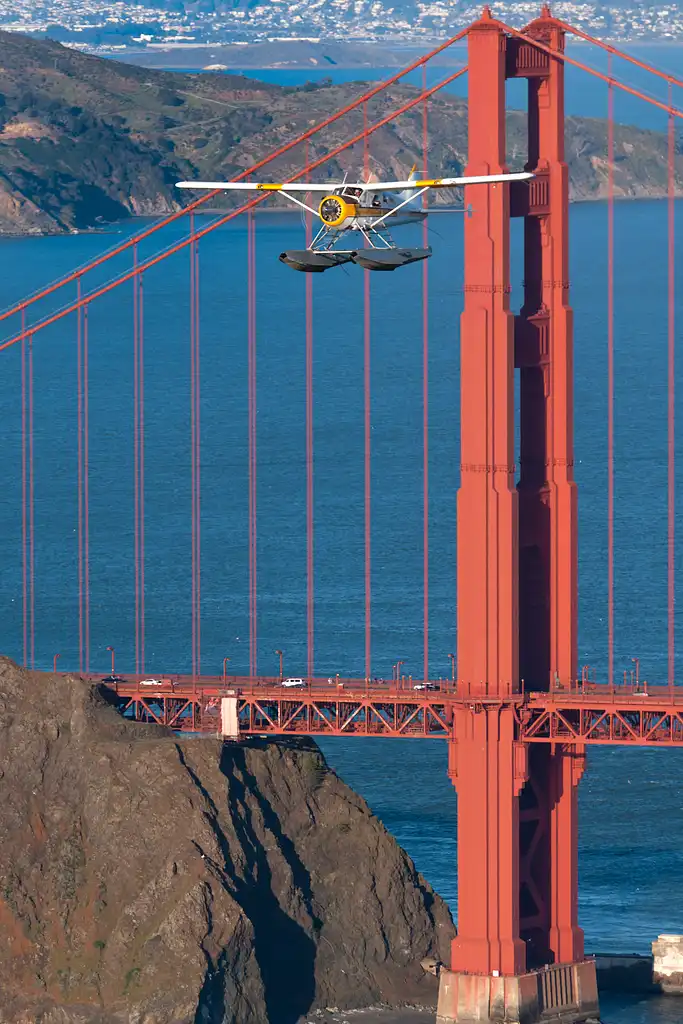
(351, 193)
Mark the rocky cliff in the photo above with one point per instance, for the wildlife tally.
(148, 880)
(85, 141)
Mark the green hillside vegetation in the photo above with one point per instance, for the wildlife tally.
(85, 141)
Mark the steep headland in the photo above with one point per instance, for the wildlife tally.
(85, 141)
(150, 880)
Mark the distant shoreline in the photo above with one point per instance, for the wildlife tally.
(321, 56)
(324, 56)
(115, 227)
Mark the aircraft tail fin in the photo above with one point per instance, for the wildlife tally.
(410, 192)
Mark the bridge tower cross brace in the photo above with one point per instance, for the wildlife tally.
(517, 557)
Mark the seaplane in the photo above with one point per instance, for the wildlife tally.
(366, 208)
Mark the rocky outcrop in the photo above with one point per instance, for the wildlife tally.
(667, 969)
(149, 879)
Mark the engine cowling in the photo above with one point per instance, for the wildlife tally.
(334, 210)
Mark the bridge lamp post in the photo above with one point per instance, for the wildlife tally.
(112, 652)
(225, 675)
(452, 657)
(398, 670)
(54, 662)
(279, 654)
(636, 662)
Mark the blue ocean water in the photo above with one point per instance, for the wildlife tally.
(631, 856)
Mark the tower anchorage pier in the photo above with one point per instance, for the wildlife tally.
(519, 954)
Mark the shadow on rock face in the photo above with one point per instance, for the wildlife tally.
(284, 949)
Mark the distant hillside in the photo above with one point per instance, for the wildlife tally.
(85, 141)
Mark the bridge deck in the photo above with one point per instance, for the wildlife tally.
(585, 713)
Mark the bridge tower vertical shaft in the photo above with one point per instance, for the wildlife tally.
(517, 563)
(544, 355)
(482, 759)
(548, 568)
(487, 500)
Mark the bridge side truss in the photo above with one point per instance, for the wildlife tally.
(625, 720)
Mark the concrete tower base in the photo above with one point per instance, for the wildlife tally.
(562, 992)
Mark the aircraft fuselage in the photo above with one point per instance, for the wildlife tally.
(341, 211)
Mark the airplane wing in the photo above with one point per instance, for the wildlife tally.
(473, 179)
(374, 186)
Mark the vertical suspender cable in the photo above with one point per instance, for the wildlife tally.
(253, 635)
(141, 468)
(194, 450)
(366, 402)
(31, 510)
(310, 578)
(193, 597)
(671, 436)
(251, 374)
(610, 376)
(425, 400)
(24, 507)
(197, 464)
(86, 497)
(136, 461)
(79, 457)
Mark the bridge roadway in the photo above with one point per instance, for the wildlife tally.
(585, 713)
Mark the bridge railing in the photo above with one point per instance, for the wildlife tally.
(184, 684)
(577, 691)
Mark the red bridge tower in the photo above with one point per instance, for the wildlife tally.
(517, 564)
